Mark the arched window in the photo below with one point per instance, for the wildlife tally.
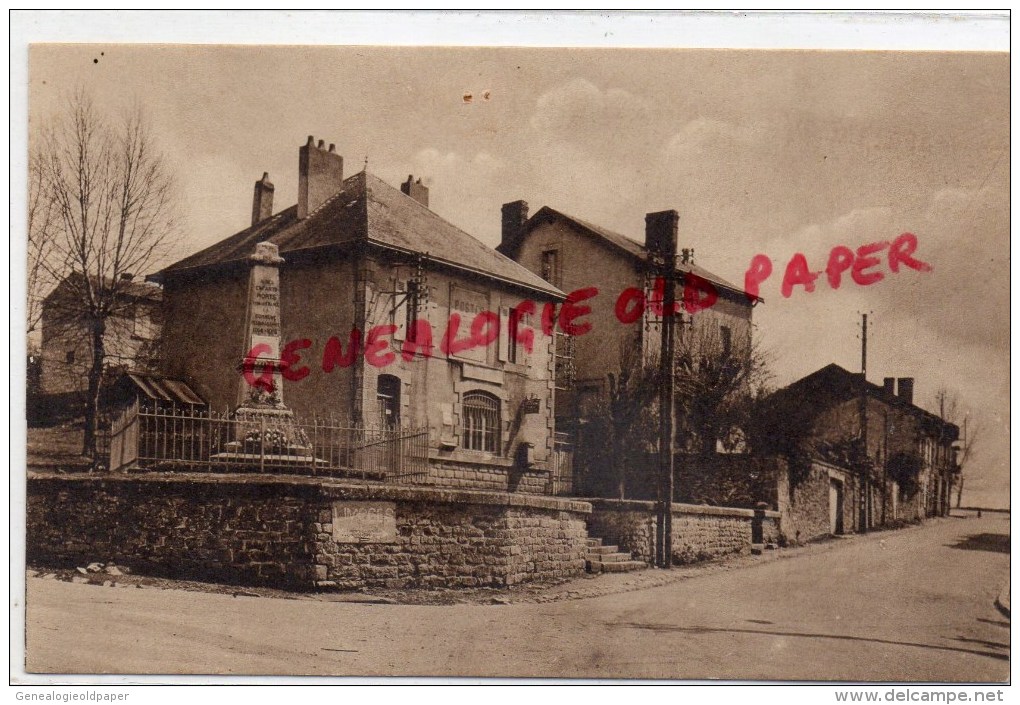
(481, 430)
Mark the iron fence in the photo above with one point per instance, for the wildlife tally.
(190, 438)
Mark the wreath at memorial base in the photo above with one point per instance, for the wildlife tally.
(273, 441)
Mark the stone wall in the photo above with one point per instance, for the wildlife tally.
(487, 475)
(443, 546)
(271, 530)
(699, 532)
(804, 507)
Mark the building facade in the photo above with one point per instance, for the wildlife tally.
(908, 464)
(65, 354)
(389, 316)
(575, 255)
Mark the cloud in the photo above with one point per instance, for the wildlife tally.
(577, 109)
(706, 136)
(463, 188)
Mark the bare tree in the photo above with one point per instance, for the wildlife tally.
(717, 381)
(113, 214)
(629, 416)
(949, 408)
(41, 265)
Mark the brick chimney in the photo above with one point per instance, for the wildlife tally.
(320, 175)
(889, 385)
(515, 215)
(905, 386)
(262, 204)
(661, 231)
(416, 190)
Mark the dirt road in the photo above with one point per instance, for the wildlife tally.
(911, 605)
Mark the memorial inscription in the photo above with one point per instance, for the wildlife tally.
(364, 522)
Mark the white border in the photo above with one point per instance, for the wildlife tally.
(928, 31)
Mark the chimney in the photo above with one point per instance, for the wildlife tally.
(416, 190)
(889, 385)
(661, 231)
(262, 204)
(515, 215)
(906, 389)
(320, 175)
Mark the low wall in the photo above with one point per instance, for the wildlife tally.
(303, 532)
(699, 532)
(485, 475)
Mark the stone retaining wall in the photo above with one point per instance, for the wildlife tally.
(699, 532)
(486, 476)
(278, 530)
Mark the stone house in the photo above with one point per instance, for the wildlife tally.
(573, 254)
(911, 454)
(379, 301)
(65, 352)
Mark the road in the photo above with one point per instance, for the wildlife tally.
(912, 605)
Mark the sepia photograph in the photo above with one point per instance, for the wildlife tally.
(588, 363)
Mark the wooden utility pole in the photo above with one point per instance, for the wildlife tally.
(865, 485)
(661, 236)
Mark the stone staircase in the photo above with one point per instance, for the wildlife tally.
(608, 559)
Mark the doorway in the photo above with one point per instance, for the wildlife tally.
(384, 447)
(835, 506)
(387, 396)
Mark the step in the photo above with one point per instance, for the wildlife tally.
(621, 566)
(603, 549)
(607, 557)
(593, 542)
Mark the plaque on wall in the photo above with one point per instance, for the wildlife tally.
(364, 522)
(468, 304)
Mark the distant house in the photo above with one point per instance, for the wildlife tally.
(132, 330)
(385, 292)
(572, 254)
(909, 450)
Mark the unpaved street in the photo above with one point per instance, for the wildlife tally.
(911, 605)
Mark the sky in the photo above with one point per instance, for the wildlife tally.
(761, 152)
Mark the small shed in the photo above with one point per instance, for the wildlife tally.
(136, 395)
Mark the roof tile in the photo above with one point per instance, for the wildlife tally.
(367, 209)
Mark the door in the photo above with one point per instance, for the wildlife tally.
(383, 451)
(835, 506)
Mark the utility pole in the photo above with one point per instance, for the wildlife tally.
(963, 450)
(661, 235)
(885, 463)
(865, 498)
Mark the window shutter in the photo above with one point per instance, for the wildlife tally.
(400, 314)
(504, 333)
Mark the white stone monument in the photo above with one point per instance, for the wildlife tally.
(264, 427)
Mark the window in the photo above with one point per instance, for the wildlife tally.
(142, 324)
(727, 340)
(481, 422)
(516, 322)
(69, 357)
(551, 267)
